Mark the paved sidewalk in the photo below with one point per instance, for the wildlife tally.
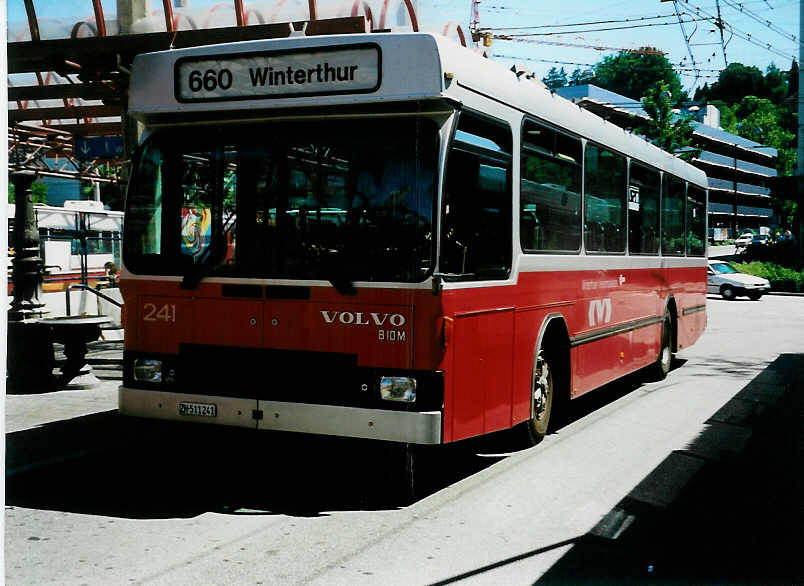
(95, 408)
(728, 509)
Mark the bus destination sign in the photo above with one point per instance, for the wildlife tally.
(250, 76)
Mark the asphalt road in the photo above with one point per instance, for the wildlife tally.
(680, 480)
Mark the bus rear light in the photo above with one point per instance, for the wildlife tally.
(447, 326)
(398, 388)
(147, 370)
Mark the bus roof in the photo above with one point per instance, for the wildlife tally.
(242, 78)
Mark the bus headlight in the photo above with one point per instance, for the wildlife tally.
(148, 370)
(398, 388)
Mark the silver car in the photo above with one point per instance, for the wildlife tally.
(724, 279)
(743, 240)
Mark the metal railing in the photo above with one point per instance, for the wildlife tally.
(91, 290)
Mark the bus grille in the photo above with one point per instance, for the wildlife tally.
(324, 378)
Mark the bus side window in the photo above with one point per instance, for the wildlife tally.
(696, 221)
(550, 190)
(643, 210)
(604, 200)
(476, 242)
(673, 216)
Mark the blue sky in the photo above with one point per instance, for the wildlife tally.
(540, 52)
(539, 57)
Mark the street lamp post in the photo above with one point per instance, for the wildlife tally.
(29, 362)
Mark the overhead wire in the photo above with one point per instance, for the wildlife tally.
(590, 30)
(677, 66)
(735, 31)
(686, 40)
(763, 22)
(643, 50)
(589, 23)
(684, 14)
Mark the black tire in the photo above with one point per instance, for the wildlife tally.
(665, 358)
(401, 487)
(728, 293)
(755, 296)
(542, 388)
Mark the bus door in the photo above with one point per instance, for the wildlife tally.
(475, 251)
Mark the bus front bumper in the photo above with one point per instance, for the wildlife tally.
(397, 426)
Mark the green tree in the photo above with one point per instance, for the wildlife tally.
(632, 74)
(581, 77)
(775, 84)
(665, 129)
(792, 80)
(728, 119)
(555, 78)
(38, 192)
(702, 93)
(759, 120)
(736, 81)
(111, 193)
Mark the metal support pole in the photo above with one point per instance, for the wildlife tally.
(27, 266)
(83, 230)
(29, 360)
(799, 230)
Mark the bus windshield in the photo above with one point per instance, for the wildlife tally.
(336, 200)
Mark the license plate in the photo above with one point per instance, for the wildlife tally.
(198, 409)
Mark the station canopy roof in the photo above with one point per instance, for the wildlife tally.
(68, 62)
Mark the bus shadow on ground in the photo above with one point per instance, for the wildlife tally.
(115, 466)
(727, 509)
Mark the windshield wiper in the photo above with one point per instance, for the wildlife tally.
(335, 272)
(195, 275)
(343, 285)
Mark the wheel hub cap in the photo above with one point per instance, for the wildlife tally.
(540, 388)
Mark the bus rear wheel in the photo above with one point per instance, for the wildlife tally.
(665, 358)
(542, 397)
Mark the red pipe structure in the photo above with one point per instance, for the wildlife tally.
(366, 12)
(414, 23)
(239, 14)
(458, 29)
(313, 9)
(100, 22)
(169, 22)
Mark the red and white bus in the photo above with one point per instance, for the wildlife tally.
(389, 236)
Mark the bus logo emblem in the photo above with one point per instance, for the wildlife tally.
(349, 318)
(599, 311)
